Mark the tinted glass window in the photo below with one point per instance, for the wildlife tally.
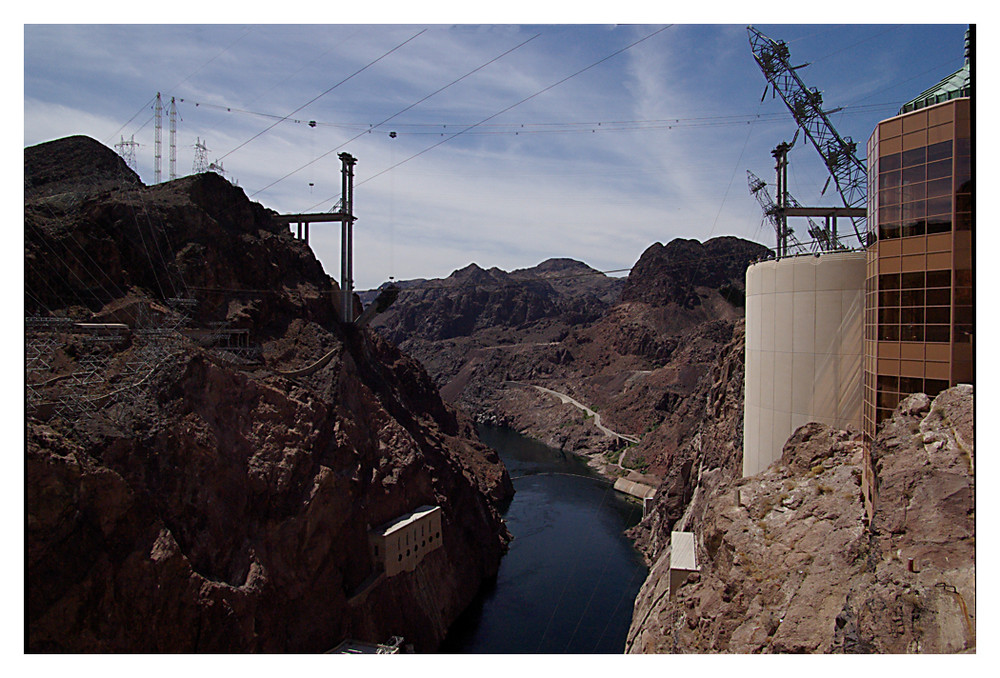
(939, 170)
(939, 151)
(917, 156)
(890, 162)
(914, 174)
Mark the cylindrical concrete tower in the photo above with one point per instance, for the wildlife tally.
(803, 349)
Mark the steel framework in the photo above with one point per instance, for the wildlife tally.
(806, 106)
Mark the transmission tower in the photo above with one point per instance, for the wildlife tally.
(173, 139)
(158, 140)
(126, 149)
(200, 157)
(821, 239)
(806, 106)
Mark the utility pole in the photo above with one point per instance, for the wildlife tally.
(158, 140)
(780, 154)
(173, 139)
(346, 237)
(126, 149)
(200, 157)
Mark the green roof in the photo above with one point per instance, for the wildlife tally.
(956, 85)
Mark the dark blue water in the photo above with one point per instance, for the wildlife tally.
(571, 576)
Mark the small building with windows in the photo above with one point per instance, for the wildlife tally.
(400, 544)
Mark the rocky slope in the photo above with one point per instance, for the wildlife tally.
(642, 363)
(788, 562)
(182, 497)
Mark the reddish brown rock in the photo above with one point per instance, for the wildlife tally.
(223, 508)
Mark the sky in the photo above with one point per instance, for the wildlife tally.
(513, 142)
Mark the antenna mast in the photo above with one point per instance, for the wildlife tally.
(806, 106)
(158, 141)
(173, 139)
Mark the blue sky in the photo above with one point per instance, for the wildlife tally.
(650, 145)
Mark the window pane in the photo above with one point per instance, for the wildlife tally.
(938, 315)
(888, 333)
(888, 215)
(889, 179)
(890, 162)
(939, 224)
(939, 205)
(914, 174)
(939, 297)
(913, 228)
(888, 382)
(938, 333)
(934, 386)
(939, 151)
(964, 315)
(889, 231)
(938, 187)
(909, 385)
(909, 281)
(890, 316)
(916, 156)
(911, 316)
(889, 281)
(890, 196)
(913, 192)
(939, 170)
(888, 298)
(938, 278)
(914, 210)
(912, 298)
(963, 278)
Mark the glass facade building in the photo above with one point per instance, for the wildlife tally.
(919, 292)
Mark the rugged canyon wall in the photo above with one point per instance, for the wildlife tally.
(789, 563)
(642, 363)
(220, 501)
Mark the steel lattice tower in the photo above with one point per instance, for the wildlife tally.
(806, 106)
(173, 139)
(158, 140)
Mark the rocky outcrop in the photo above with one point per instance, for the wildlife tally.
(788, 563)
(219, 505)
(644, 363)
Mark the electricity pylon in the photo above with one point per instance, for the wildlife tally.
(806, 106)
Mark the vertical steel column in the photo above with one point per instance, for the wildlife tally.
(346, 237)
(780, 154)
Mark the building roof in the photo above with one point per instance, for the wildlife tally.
(401, 522)
(956, 85)
(682, 551)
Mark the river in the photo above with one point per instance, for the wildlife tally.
(568, 583)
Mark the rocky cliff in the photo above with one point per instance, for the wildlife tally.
(185, 494)
(639, 363)
(789, 563)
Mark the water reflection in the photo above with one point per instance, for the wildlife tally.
(571, 576)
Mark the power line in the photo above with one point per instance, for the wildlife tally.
(324, 93)
(416, 103)
(502, 111)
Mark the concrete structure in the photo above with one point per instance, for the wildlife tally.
(682, 559)
(803, 349)
(401, 544)
(919, 320)
(635, 489)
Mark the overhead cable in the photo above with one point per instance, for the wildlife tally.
(322, 94)
(420, 101)
(502, 111)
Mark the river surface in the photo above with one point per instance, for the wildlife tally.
(571, 576)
